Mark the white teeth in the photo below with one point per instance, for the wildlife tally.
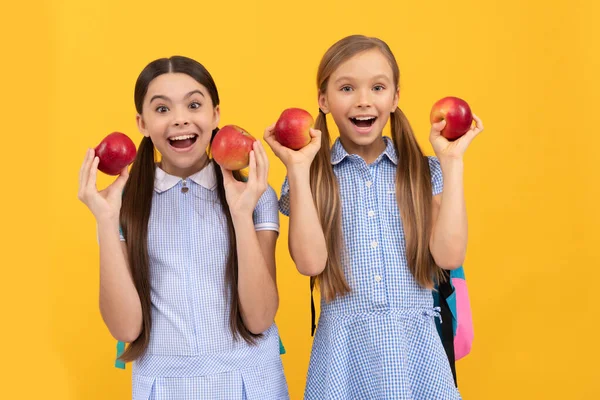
(364, 118)
(183, 137)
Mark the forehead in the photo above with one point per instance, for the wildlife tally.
(364, 66)
(173, 85)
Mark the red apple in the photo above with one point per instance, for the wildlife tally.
(115, 151)
(457, 114)
(231, 147)
(292, 128)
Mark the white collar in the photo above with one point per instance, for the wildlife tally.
(206, 177)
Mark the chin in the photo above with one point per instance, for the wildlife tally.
(364, 140)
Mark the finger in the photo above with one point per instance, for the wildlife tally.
(315, 135)
(468, 137)
(83, 171)
(91, 183)
(87, 154)
(478, 123)
(252, 168)
(438, 127)
(275, 145)
(262, 162)
(269, 131)
(227, 175)
(267, 162)
(122, 179)
(435, 133)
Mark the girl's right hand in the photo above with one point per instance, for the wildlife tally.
(104, 204)
(294, 158)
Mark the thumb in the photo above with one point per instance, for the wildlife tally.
(315, 135)
(227, 175)
(122, 179)
(439, 126)
(269, 131)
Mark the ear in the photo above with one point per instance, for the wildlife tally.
(141, 124)
(323, 103)
(216, 117)
(396, 100)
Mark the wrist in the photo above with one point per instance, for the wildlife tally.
(299, 173)
(241, 219)
(108, 220)
(451, 164)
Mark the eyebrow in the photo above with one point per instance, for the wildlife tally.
(381, 77)
(160, 96)
(376, 78)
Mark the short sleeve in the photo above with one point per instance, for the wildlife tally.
(437, 179)
(265, 216)
(284, 199)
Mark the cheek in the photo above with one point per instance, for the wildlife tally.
(206, 118)
(340, 104)
(385, 104)
(155, 123)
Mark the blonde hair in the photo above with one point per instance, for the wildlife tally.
(413, 181)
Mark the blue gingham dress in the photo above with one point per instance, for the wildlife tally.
(380, 341)
(192, 353)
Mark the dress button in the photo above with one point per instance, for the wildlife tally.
(371, 213)
(374, 244)
(369, 183)
(377, 278)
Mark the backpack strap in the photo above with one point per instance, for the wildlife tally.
(313, 326)
(281, 348)
(120, 349)
(445, 289)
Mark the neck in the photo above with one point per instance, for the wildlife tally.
(368, 152)
(187, 171)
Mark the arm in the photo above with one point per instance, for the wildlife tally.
(306, 240)
(119, 302)
(120, 305)
(448, 242)
(257, 285)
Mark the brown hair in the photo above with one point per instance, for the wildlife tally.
(137, 203)
(413, 180)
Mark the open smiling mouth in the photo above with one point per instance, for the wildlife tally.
(363, 122)
(183, 141)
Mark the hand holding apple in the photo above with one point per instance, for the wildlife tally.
(104, 204)
(455, 149)
(293, 159)
(242, 196)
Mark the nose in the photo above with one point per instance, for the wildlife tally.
(364, 99)
(181, 118)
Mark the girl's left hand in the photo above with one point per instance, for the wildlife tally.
(242, 197)
(445, 149)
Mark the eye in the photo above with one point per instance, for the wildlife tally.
(161, 109)
(378, 88)
(346, 89)
(194, 105)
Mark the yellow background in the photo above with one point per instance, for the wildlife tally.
(529, 70)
